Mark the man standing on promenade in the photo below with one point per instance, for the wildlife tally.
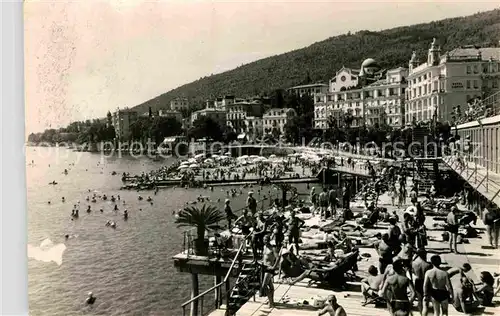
(332, 199)
(452, 225)
(323, 203)
(229, 214)
(270, 261)
(437, 285)
(420, 266)
(491, 219)
(395, 289)
(251, 203)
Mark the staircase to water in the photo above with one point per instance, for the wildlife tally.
(247, 284)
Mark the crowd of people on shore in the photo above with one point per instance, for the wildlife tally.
(404, 273)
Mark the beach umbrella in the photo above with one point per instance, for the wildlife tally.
(191, 160)
(182, 167)
(208, 160)
(184, 163)
(194, 166)
(199, 156)
(272, 156)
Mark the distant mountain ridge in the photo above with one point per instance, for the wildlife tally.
(320, 61)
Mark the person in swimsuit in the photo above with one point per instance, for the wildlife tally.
(245, 222)
(396, 288)
(371, 284)
(269, 264)
(385, 252)
(452, 227)
(485, 289)
(420, 266)
(294, 226)
(332, 307)
(90, 299)
(437, 285)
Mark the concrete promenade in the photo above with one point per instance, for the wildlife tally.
(287, 297)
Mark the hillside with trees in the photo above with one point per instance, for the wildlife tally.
(319, 61)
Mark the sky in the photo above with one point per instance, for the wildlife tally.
(86, 57)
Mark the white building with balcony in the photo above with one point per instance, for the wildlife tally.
(179, 104)
(277, 118)
(310, 89)
(370, 96)
(448, 80)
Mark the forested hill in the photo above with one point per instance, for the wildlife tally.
(320, 61)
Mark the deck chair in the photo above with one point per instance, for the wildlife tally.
(344, 271)
(378, 301)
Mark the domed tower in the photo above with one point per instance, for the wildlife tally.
(434, 53)
(369, 68)
(413, 61)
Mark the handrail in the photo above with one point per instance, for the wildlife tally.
(239, 210)
(223, 281)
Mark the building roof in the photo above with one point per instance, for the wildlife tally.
(369, 62)
(309, 86)
(281, 111)
(471, 52)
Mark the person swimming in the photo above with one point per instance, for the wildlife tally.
(149, 199)
(139, 198)
(89, 209)
(90, 299)
(66, 236)
(116, 207)
(63, 199)
(125, 214)
(113, 199)
(101, 210)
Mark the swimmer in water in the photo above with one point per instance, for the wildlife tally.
(101, 210)
(90, 299)
(48, 202)
(63, 199)
(125, 214)
(89, 209)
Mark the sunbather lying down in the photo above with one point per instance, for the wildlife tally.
(296, 269)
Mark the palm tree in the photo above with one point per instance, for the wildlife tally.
(204, 219)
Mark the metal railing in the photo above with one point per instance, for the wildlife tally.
(190, 235)
(477, 175)
(198, 301)
(487, 108)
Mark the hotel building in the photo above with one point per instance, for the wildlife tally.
(122, 119)
(178, 104)
(371, 95)
(277, 118)
(445, 81)
(310, 89)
